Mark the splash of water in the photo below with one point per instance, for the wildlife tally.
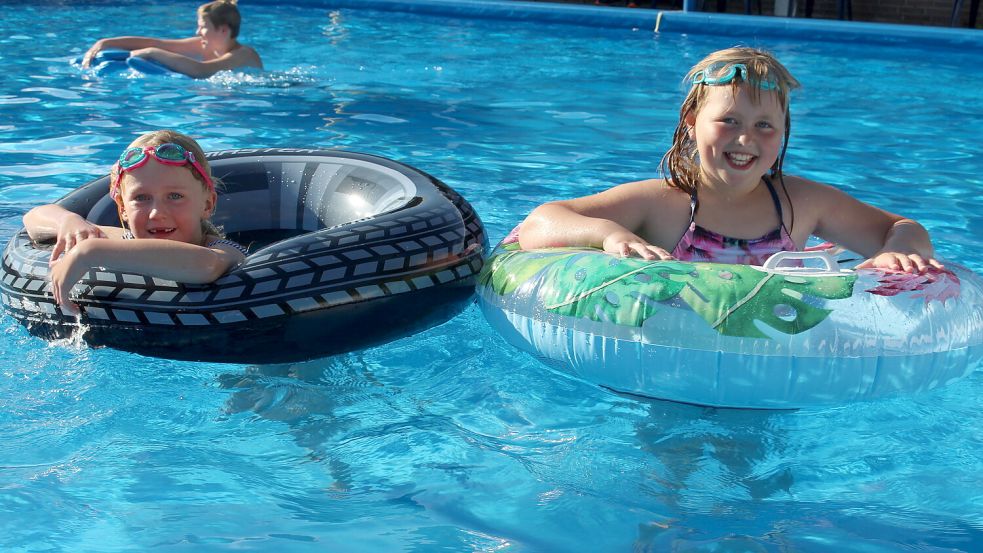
(75, 340)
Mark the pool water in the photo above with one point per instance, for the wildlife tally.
(451, 440)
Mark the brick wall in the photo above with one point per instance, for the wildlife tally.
(911, 12)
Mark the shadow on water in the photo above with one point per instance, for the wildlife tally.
(310, 399)
(750, 474)
(436, 440)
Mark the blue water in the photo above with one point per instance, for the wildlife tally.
(451, 440)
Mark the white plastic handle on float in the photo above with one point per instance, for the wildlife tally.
(829, 262)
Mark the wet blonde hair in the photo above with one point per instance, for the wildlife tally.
(222, 12)
(156, 138)
(679, 166)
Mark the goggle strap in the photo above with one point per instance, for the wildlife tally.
(136, 156)
(727, 73)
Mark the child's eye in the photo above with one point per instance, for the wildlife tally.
(728, 120)
(141, 198)
(765, 125)
(175, 196)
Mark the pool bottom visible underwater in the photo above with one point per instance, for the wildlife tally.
(451, 440)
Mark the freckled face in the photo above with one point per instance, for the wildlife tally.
(165, 202)
(738, 140)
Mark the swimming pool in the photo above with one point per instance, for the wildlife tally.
(451, 440)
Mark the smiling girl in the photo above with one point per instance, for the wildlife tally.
(726, 199)
(165, 195)
(214, 47)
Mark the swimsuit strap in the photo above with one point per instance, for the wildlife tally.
(242, 249)
(691, 227)
(685, 241)
(694, 204)
(777, 202)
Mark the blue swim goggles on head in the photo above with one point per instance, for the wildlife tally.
(722, 73)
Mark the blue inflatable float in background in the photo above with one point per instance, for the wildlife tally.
(116, 61)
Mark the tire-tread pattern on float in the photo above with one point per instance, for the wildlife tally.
(297, 299)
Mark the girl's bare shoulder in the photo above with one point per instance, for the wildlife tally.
(803, 190)
(652, 189)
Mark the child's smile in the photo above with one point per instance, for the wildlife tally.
(161, 232)
(739, 160)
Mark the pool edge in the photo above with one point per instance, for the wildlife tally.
(746, 27)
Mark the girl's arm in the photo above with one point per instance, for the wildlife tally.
(68, 229)
(200, 69)
(186, 46)
(611, 220)
(889, 241)
(907, 247)
(167, 259)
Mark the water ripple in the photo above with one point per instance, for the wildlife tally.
(15, 100)
(69, 145)
(55, 93)
(52, 169)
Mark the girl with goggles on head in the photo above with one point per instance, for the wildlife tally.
(165, 195)
(214, 47)
(725, 198)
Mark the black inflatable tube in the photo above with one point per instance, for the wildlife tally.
(329, 290)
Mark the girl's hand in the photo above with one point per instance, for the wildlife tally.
(895, 261)
(626, 244)
(71, 231)
(64, 274)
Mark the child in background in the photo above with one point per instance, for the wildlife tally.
(165, 194)
(725, 199)
(213, 49)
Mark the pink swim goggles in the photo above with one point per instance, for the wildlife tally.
(167, 153)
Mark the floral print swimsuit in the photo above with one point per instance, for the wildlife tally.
(700, 244)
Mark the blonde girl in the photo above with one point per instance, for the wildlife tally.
(726, 198)
(165, 194)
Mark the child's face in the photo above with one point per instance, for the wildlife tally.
(165, 202)
(209, 34)
(738, 139)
